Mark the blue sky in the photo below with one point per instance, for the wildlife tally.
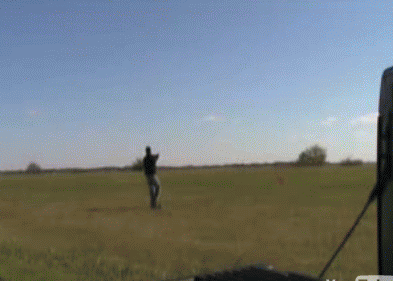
(91, 83)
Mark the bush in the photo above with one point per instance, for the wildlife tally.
(313, 156)
(33, 168)
(350, 162)
(137, 165)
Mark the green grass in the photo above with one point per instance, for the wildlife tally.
(98, 226)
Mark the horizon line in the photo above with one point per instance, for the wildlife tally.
(126, 167)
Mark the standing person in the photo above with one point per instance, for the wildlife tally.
(149, 165)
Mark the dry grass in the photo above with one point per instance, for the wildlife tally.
(210, 219)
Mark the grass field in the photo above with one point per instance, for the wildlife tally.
(99, 226)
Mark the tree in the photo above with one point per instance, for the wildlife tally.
(137, 165)
(33, 168)
(313, 156)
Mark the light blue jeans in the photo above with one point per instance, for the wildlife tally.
(154, 188)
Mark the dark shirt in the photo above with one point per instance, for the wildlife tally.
(149, 164)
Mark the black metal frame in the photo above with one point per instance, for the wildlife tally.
(379, 184)
(384, 179)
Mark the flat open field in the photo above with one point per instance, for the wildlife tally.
(291, 218)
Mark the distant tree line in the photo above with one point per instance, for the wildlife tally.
(35, 169)
(349, 162)
(312, 156)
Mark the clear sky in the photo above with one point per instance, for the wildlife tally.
(91, 83)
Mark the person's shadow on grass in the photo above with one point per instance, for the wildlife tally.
(119, 210)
